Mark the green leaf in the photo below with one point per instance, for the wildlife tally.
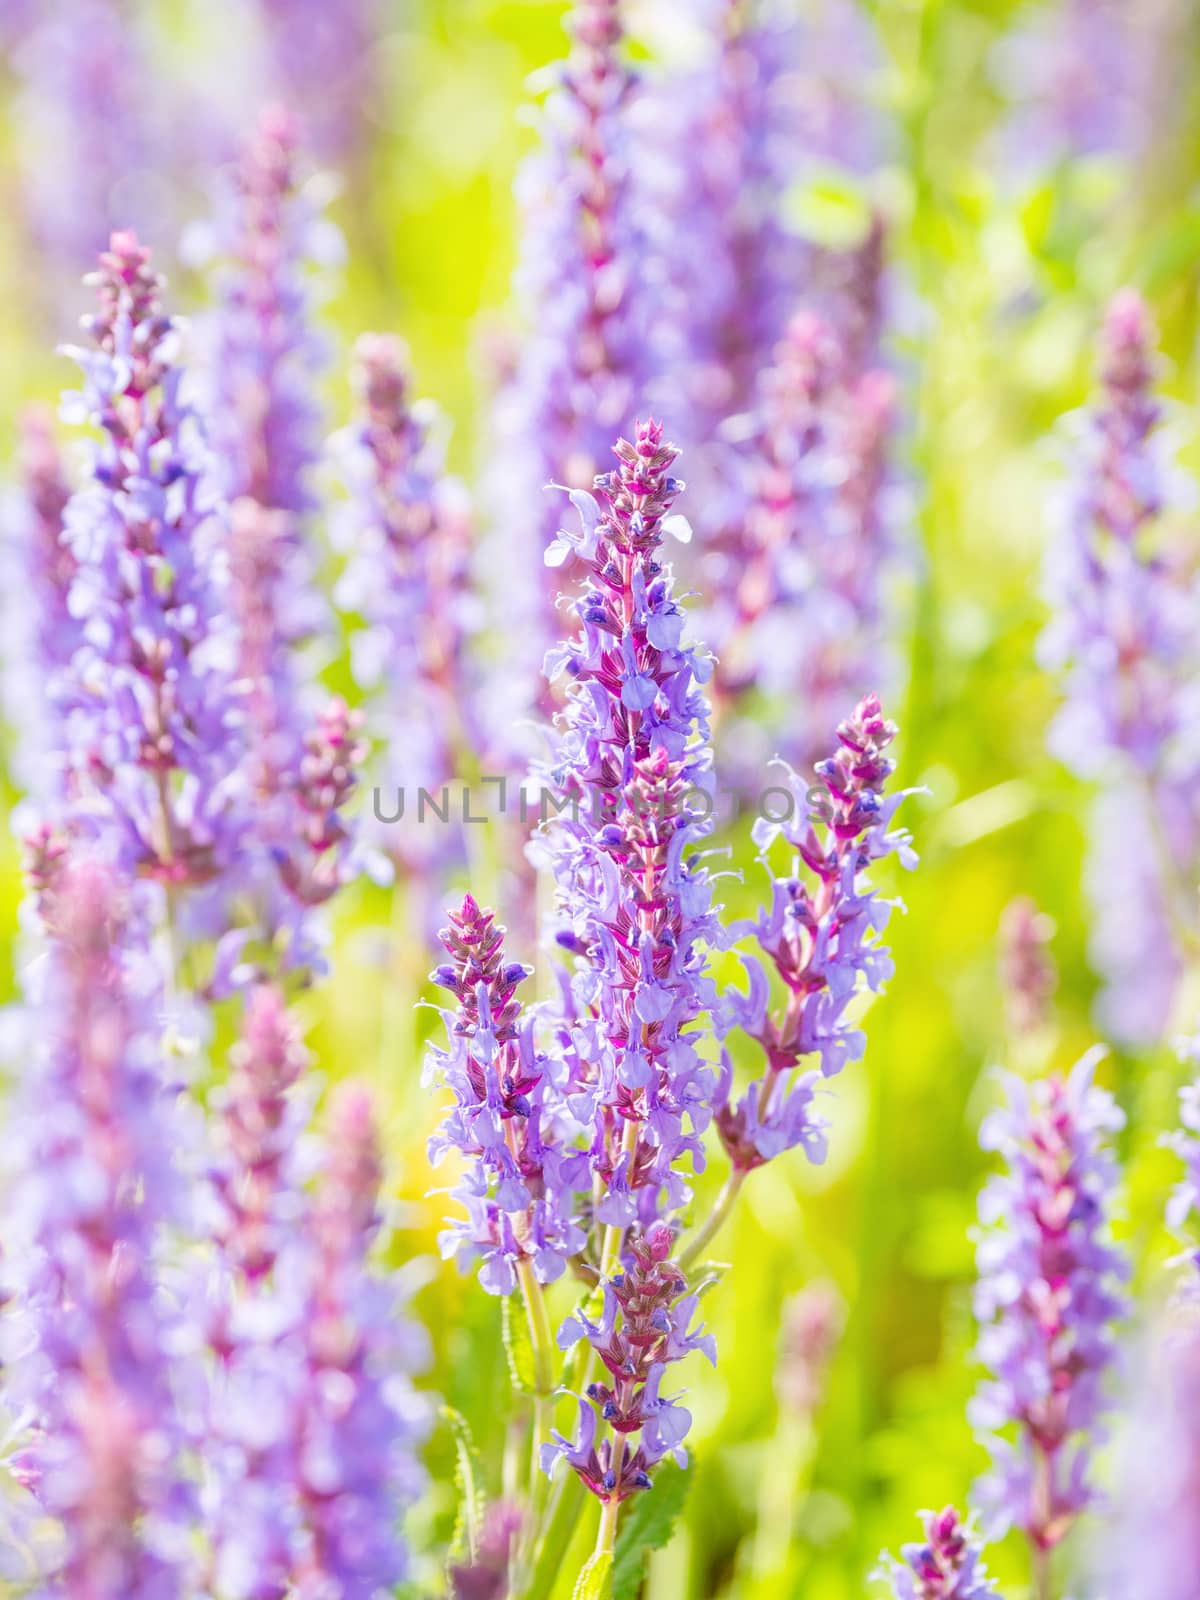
(596, 1579)
(518, 1347)
(471, 1500)
(647, 1526)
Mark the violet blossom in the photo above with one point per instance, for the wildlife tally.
(41, 635)
(644, 1328)
(1122, 636)
(947, 1565)
(520, 1186)
(406, 531)
(1048, 1301)
(1027, 971)
(582, 362)
(630, 775)
(95, 1188)
(321, 57)
(821, 940)
(154, 714)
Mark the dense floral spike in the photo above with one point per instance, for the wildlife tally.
(646, 1324)
(822, 941)
(96, 1185)
(801, 571)
(40, 633)
(258, 1122)
(1123, 636)
(154, 738)
(407, 531)
(1047, 1301)
(359, 1420)
(86, 113)
(520, 1184)
(630, 778)
(1154, 1548)
(1027, 970)
(320, 57)
(583, 361)
(947, 1566)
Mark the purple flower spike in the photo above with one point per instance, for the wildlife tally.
(154, 737)
(822, 941)
(95, 1190)
(584, 358)
(632, 769)
(947, 1566)
(519, 1189)
(407, 531)
(1027, 969)
(40, 633)
(1048, 1299)
(1123, 637)
(359, 1422)
(645, 1326)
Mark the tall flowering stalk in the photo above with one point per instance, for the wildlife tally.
(154, 713)
(583, 357)
(946, 1565)
(407, 533)
(40, 633)
(520, 1186)
(1122, 635)
(1048, 1300)
(821, 941)
(95, 1188)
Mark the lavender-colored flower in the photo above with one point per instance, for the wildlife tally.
(40, 633)
(359, 1422)
(801, 571)
(582, 362)
(153, 712)
(631, 768)
(1048, 1299)
(406, 530)
(1027, 970)
(1122, 634)
(1153, 1549)
(822, 941)
(320, 57)
(645, 1326)
(95, 1187)
(486, 1577)
(948, 1565)
(520, 1185)
(1184, 1204)
(813, 1321)
(87, 109)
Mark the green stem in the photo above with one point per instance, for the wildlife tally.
(715, 1220)
(610, 1510)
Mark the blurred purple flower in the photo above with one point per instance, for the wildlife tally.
(1122, 635)
(1028, 974)
(321, 57)
(96, 1184)
(946, 1566)
(407, 532)
(520, 1182)
(1048, 1299)
(822, 942)
(40, 634)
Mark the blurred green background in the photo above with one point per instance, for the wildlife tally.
(1003, 277)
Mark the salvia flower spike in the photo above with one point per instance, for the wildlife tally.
(946, 1565)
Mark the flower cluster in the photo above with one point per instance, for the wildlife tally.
(583, 361)
(42, 632)
(97, 1186)
(632, 768)
(153, 709)
(646, 1324)
(407, 530)
(1122, 633)
(946, 1566)
(1048, 1299)
(821, 942)
(519, 1189)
